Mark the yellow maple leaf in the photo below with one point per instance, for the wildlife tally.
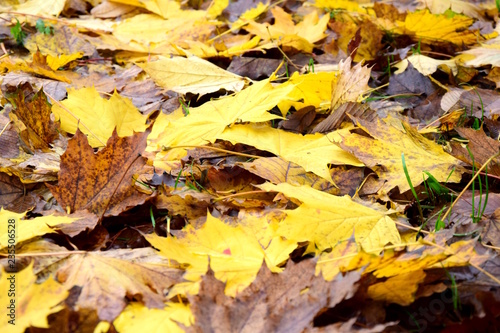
(284, 31)
(62, 60)
(263, 226)
(325, 219)
(309, 89)
(383, 154)
(98, 117)
(205, 123)
(216, 7)
(137, 317)
(235, 255)
(32, 302)
(399, 289)
(400, 272)
(429, 28)
(313, 152)
(192, 75)
(39, 67)
(27, 229)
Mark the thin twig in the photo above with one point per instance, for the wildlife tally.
(214, 148)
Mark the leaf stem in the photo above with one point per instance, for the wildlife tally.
(214, 148)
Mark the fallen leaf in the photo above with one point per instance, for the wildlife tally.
(85, 186)
(312, 152)
(33, 302)
(136, 317)
(205, 123)
(309, 89)
(35, 115)
(434, 28)
(37, 67)
(325, 220)
(285, 33)
(62, 60)
(98, 117)
(285, 302)
(481, 56)
(478, 150)
(65, 40)
(389, 143)
(28, 229)
(109, 9)
(193, 75)
(117, 279)
(300, 120)
(12, 194)
(235, 256)
(369, 33)
(399, 289)
(426, 65)
(278, 170)
(39, 7)
(351, 84)
(410, 81)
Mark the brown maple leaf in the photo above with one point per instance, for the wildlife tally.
(101, 182)
(35, 115)
(285, 302)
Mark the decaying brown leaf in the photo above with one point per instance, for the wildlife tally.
(85, 186)
(106, 281)
(285, 302)
(35, 115)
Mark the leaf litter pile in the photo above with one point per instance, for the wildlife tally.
(246, 166)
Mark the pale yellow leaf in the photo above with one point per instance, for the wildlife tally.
(425, 65)
(482, 56)
(192, 75)
(350, 85)
(383, 152)
(41, 7)
(313, 152)
(325, 220)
